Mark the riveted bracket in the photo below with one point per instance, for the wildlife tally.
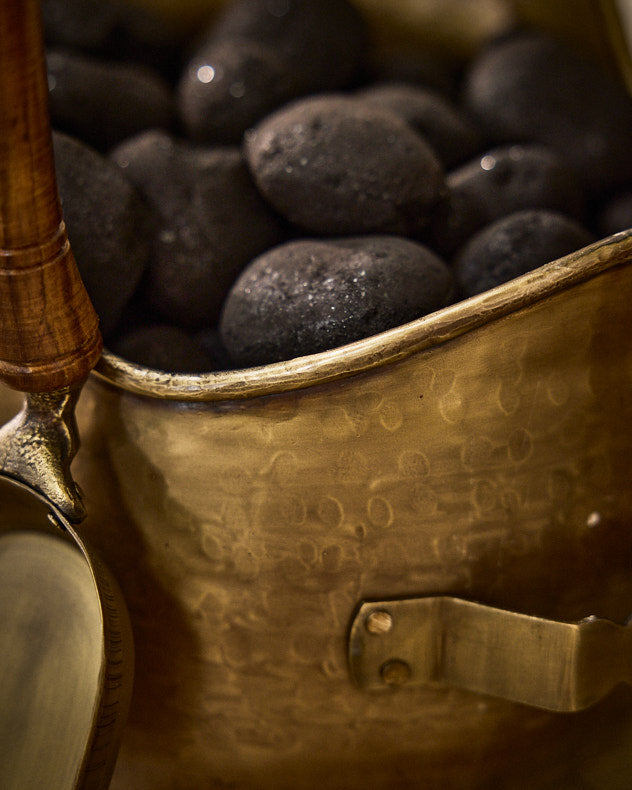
(558, 666)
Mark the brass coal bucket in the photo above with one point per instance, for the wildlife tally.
(480, 454)
(372, 567)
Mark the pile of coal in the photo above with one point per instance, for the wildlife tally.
(281, 187)
(531, 88)
(503, 180)
(211, 222)
(262, 53)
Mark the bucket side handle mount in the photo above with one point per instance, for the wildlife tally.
(548, 664)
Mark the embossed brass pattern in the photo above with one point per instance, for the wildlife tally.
(544, 663)
(492, 465)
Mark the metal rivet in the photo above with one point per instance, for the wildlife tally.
(395, 672)
(593, 520)
(379, 622)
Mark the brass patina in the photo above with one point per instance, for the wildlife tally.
(481, 452)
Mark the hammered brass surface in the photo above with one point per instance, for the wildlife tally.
(493, 466)
(547, 664)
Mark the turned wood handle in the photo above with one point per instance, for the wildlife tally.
(49, 333)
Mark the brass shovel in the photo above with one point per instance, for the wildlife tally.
(65, 640)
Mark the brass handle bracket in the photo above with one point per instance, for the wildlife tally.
(557, 666)
(37, 447)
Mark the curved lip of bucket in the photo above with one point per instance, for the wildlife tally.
(378, 350)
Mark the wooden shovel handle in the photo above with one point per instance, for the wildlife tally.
(49, 334)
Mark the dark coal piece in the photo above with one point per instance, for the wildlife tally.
(212, 223)
(501, 181)
(164, 347)
(337, 165)
(105, 102)
(452, 135)
(227, 87)
(515, 245)
(86, 25)
(113, 30)
(324, 43)
(108, 224)
(531, 88)
(151, 161)
(308, 296)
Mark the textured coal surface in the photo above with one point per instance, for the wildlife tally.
(514, 245)
(212, 222)
(501, 181)
(282, 134)
(313, 295)
(324, 43)
(452, 135)
(338, 165)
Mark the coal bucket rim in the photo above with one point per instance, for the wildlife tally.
(377, 350)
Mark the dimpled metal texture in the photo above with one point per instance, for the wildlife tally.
(245, 533)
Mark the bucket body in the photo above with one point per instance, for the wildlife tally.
(489, 459)
(482, 452)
